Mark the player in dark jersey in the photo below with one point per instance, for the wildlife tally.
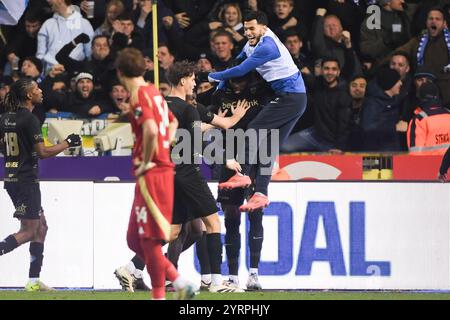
(193, 198)
(253, 89)
(22, 144)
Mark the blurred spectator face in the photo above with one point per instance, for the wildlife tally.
(435, 23)
(85, 87)
(164, 89)
(401, 64)
(333, 28)
(55, 4)
(397, 5)
(358, 88)
(149, 64)
(100, 48)
(203, 87)
(331, 72)
(128, 27)
(29, 69)
(293, 44)
(112, 12)
(318, 67)
(59, 86)
(204, 65)
(283, 8)
(119, 94)
(231, 15)
(4, 89)
(165, 58)
(32, 28)
(254, 31)
(418, 82)
(142, 3)
(223, 47)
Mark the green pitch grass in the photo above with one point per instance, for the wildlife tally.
(266, 295)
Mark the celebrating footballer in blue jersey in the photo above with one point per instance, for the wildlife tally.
(267, 54)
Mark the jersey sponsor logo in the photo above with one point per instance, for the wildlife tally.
(14, 164)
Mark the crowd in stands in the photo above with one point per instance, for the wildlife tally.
(363, 71)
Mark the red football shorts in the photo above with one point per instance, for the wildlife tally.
(151, 214)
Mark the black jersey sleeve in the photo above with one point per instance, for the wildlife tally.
(34, 129)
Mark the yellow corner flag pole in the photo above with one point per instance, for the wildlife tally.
(155, 42)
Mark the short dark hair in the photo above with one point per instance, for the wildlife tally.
(259, 16)
(330, 59)
(440, 9)
(292, 32)
(100, 36)
(180, 70)
(358, 76)
(403, 54)
(125, 16)
(130, 62)
(32, 16)
(222, 33)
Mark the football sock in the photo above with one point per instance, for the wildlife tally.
(232, 243)
(36, 257)
(193, 233)
(256, 237)
(202, 255)
(214, 244)
(8, 244)
(138, 263)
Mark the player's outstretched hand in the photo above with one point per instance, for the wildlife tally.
(233, 165)
(241, 108)
(442, 177)
(74, 140)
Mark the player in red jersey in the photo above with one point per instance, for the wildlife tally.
(151, 215)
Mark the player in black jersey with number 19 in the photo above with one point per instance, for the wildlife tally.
(21, 143)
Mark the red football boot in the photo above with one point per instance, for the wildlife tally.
(236, 181)
(257, 201)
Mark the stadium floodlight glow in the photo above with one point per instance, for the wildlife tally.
(58, 130)
(115, 138)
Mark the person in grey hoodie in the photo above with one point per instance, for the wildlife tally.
(65, 24)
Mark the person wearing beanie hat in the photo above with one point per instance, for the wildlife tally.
(423, 72)
(31, 67)
(429, 129)
(389, 80)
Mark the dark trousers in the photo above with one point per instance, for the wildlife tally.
(281, 114)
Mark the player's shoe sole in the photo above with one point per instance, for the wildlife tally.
(236, 181)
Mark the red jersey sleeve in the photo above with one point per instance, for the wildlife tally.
(145, 108)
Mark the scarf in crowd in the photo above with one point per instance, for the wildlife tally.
(423, 44)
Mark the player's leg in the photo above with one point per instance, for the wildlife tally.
(37, 256)
(203, 259)
(255, 240)
(281, 116)
(28, 216)
(155, 227)
(132, 273)
(232, 240)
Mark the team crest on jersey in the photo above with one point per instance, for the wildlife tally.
(137, 113)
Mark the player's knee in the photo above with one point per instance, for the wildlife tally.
(212, 223)
(174, 233)
(231, 211)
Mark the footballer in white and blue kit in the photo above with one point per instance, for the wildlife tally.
(271, 59)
